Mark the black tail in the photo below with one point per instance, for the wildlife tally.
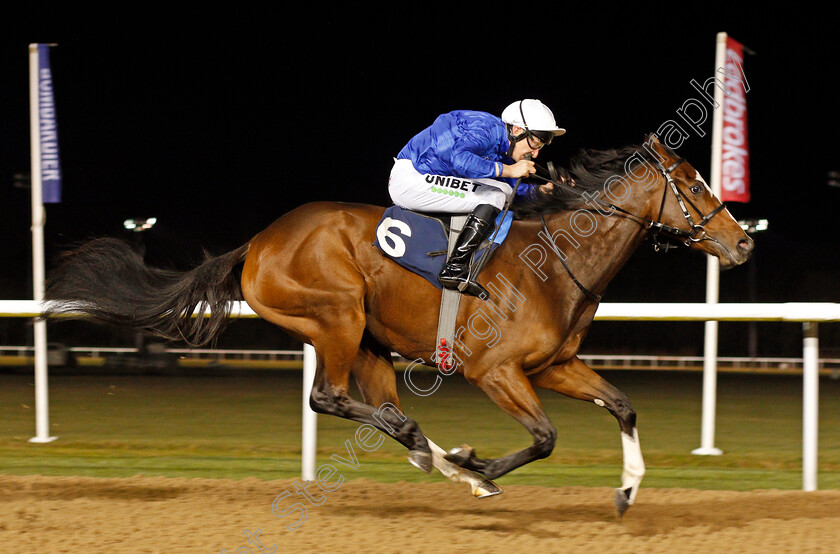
(108, 280)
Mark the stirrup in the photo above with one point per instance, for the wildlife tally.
(473, 288)
(464, 283)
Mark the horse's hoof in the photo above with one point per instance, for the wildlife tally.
(622, 501)
(421, 460)
(486, 488)
(460, 455)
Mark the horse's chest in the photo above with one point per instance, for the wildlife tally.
(570, 336)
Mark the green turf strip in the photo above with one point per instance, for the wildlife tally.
(248, 425)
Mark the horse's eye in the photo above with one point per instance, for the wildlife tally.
(696, 189)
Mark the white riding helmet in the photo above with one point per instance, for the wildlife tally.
(532, 115)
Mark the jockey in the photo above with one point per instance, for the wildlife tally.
(469, 162)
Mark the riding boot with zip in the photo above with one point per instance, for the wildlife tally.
(456, 273)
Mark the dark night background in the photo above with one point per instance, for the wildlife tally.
(220, 123)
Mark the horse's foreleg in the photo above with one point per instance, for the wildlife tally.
(510, 389)
(373, 371)
(480, 486)
(575, 379)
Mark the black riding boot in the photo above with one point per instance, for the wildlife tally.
(456, 273)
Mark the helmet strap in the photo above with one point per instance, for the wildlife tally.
(513, 139)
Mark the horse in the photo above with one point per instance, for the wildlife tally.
(315, 274)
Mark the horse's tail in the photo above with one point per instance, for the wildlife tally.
(107, 280)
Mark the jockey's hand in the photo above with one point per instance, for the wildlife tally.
(522, 168)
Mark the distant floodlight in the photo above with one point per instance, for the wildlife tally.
(754, 225)
(140, 224)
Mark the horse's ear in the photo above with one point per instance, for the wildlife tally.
(656, 148)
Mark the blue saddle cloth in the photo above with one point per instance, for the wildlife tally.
(419, 242)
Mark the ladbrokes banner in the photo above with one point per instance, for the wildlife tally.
(735, 161)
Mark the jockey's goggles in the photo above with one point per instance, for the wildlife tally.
(538, 139)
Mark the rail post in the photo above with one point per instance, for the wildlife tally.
(810, 404)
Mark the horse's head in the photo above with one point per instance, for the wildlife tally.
(683, 208)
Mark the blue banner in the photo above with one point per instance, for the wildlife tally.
(50, 163)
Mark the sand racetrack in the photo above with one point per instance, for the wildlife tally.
(139, 514)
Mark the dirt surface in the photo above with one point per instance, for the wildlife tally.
(74, 514)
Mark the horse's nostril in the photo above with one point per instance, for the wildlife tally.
(745, 245)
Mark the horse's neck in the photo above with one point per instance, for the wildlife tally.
(594, 255)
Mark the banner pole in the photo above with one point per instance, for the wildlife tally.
(710, 346)
(42, 410)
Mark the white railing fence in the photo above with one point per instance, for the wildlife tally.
(261, 358)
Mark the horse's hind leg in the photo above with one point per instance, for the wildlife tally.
(577, 380)
(330, 396)
(303, 275)
(336, 334)
(373, 371)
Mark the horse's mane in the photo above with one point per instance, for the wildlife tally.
(589, 169)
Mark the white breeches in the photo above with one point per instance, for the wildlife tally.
(412, 190)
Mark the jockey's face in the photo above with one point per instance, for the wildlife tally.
(530, 145)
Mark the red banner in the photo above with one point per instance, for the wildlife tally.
(735, 166)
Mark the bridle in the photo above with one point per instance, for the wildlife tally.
(698, 230)
(654, 228)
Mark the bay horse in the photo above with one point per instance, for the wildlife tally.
(315, 274)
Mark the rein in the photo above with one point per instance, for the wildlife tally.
(588, 293)
(654, 228)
